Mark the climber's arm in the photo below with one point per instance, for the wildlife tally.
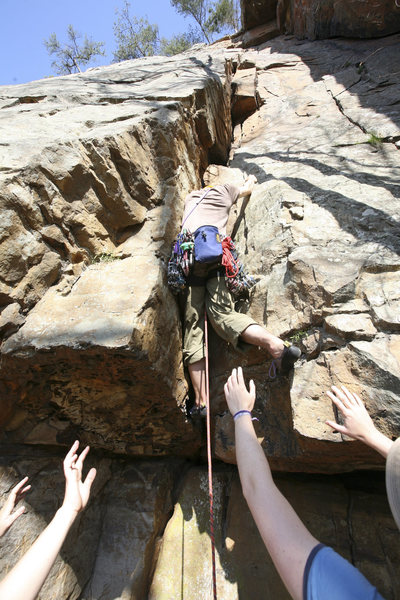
(26, 578)
(286, 538)
(247, 187)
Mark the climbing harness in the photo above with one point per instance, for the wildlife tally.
(182, 256)
(209, 459)
(205, 246)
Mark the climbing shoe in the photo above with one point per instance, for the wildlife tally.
(198, 412)
(289, 356)
(287, 359)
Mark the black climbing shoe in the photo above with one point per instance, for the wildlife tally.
(289, 356)
(197, 412)
(287, 359)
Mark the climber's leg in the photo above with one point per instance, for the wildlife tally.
(193, 343)
(197, 372)
(235, 327)
(258, 336)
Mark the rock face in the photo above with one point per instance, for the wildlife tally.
(326, 256)
(313, 19)
(243, 567)
(93, 180)
(110, 551)
(345, 18)
(94, 209)
(257, 12)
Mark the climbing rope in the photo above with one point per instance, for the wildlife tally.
(228, 260)
(209, 459)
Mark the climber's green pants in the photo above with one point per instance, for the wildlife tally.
(216, 298)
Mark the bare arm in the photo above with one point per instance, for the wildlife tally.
(286, 538)
(7, 516)
(247, 187)
(26, 578)
(357, 422)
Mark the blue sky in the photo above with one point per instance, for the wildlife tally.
(24, 24)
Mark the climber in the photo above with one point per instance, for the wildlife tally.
(310, 570)
(25, 579)
(207, 290)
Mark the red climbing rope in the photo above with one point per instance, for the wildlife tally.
(228, 261)
(209, 458)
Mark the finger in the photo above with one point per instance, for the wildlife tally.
(69, 456)
(16, 514)
(22, 493)
(79, 462)
(342, 396)
(337, 402)
(87, 484)
(71, 463)
(334, 425)
(252, 389)
(240, 376)
(359, 401)
(90, 477)
(19, 485)
(349, 395)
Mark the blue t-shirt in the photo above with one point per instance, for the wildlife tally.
(329, 576)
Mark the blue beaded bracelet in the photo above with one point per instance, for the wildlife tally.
(243, 412)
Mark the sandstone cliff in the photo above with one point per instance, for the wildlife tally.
(313, 19)
(94, 170)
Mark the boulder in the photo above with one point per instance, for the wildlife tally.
(92, 191)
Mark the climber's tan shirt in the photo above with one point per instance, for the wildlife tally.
(213, 209)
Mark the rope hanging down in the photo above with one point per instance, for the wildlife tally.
(209, 459)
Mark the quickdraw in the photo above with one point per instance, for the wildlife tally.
(184, 246)
(181, 261)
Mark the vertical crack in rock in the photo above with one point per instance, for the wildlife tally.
(226, 494)
(349, 520)
(392, 139)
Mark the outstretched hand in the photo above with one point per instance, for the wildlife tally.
(236, 393)
(357, 422)
(247, 187)
(7, 516)
(77, 492)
